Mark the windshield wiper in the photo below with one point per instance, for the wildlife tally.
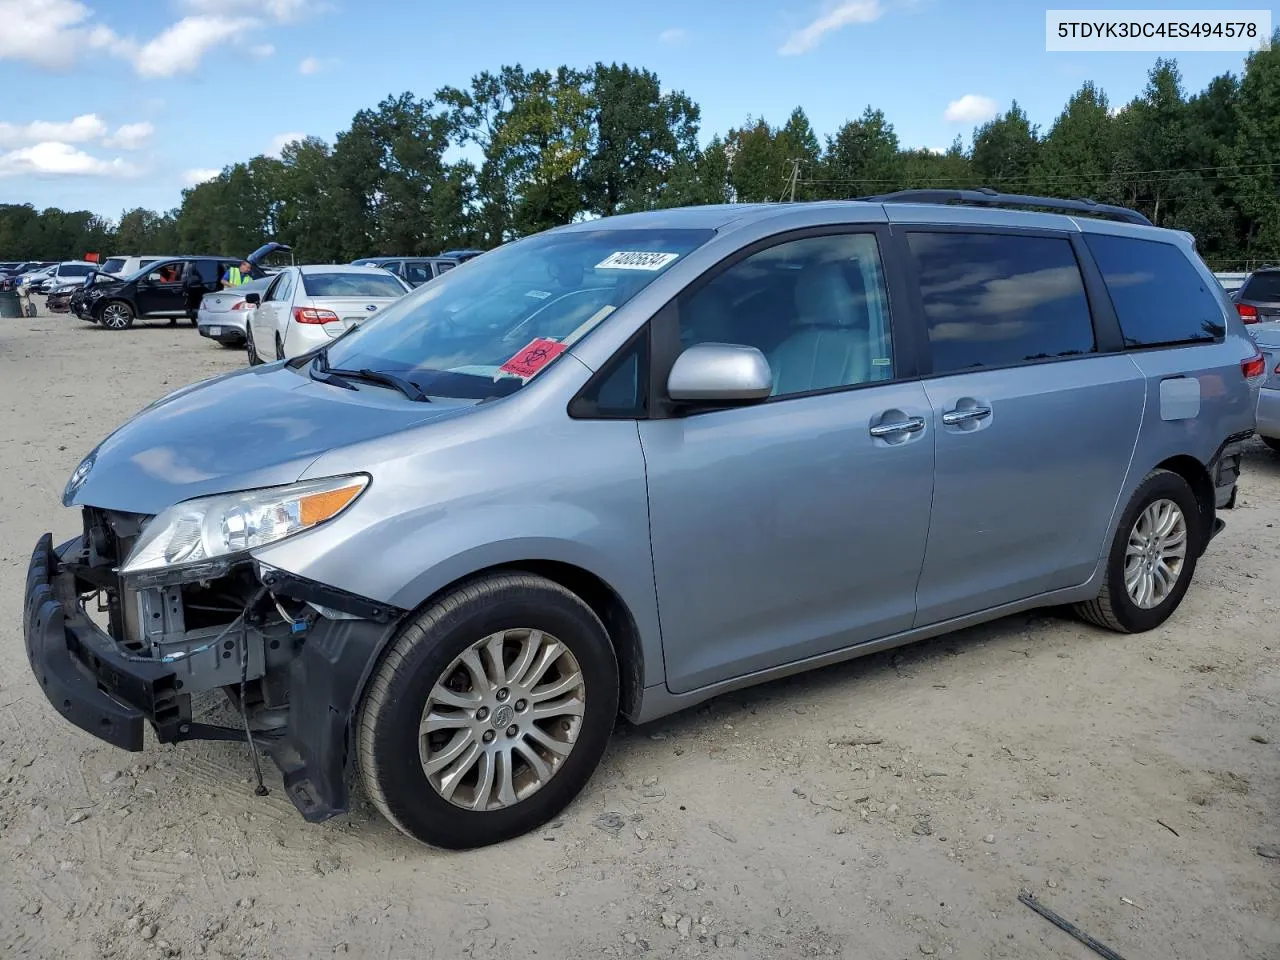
(320, 371)
(407, 387)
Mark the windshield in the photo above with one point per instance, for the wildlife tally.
(112, 265)
(485, 331)
(1262, 286)
(351, 285)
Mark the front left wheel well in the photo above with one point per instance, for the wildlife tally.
(604, 602)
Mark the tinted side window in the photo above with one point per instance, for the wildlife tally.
(817, 308)
(442, 267)
(74, 270)
(208, 271)
(1159, 296)
(993, 300)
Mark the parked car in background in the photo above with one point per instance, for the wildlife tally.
(163, 290)
(223, 314)
(462, 255)
(69, 272)
(127, 266)
(635, 463)
(1258, 298)
(415, 271)
(10, 279)
(58, 298)
(307, 307)
(1267, 336)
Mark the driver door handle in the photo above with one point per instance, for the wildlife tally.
(967, 415)
(910, 425)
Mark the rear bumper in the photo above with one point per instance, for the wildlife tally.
(1225, 469)
(226, 334)
(79, 667)
(1268, 414)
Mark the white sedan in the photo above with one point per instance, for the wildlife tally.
(306, 307)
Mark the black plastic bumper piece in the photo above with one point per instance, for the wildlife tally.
(57, 635)
(316, 753)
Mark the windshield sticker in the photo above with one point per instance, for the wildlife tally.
(637, 260)
(533, 357)
(538, 294)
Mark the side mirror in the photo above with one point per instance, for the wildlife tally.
(253, 298)
(720, 373)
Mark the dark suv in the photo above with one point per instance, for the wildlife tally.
(414, 271)
(165, 290)
(1258, 299)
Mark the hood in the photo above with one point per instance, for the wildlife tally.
(255, 427)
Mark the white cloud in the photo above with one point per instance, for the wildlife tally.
(280, 141)
(937, 151)
(51, 33)
(310, 65)
(131, 136)
(262, 51)
(180, 48)
(281, 10)
(971, 108)
(198, 175)
(840, 15)
(86, 127)
(673, 36)
(53, 158)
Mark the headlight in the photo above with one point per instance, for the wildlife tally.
(210, 528)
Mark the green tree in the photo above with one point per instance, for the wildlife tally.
(1005, 151)
(862, 158)
(1256, 154)
(1075, 157)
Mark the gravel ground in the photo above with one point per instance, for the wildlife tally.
(889, 808)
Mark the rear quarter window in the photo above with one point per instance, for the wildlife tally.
(1159, 297)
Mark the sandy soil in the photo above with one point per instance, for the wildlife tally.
(890, 808)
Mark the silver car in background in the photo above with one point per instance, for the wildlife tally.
(223, 315)
(1267, 336)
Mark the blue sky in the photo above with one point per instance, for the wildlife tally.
(113, 104)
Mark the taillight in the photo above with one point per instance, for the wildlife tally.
(1248, 313)
(312, 315)
(1255, 366)
(242, 305)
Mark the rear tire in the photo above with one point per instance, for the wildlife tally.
(516, 683)
(1152, 559)
(279, 348)
(250, 348)
(1271, 442)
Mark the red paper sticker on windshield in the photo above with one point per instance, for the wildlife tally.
(533, 357)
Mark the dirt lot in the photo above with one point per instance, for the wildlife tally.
(890, 808)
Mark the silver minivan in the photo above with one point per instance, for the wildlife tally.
(626, 465)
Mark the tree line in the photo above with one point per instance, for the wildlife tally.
(546, 147)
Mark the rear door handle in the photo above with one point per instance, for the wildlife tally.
(910, 425)
(967, 415)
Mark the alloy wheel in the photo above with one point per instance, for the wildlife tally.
(1155, 554)
(116, 316)
(502, 719)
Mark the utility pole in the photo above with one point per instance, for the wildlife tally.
(795, 175)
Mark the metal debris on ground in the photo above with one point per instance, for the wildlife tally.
(1101, 949)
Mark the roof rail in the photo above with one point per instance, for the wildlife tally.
(986, 197)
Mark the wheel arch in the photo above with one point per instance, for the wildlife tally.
(605, 602)
(1197, 476)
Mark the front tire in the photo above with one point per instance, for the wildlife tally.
(279, 348)
(116, 315)
(489, 712)
(1271, 442)
(250, 347)
(1152, 558)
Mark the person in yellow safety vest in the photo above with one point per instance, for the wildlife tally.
(235, 276)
